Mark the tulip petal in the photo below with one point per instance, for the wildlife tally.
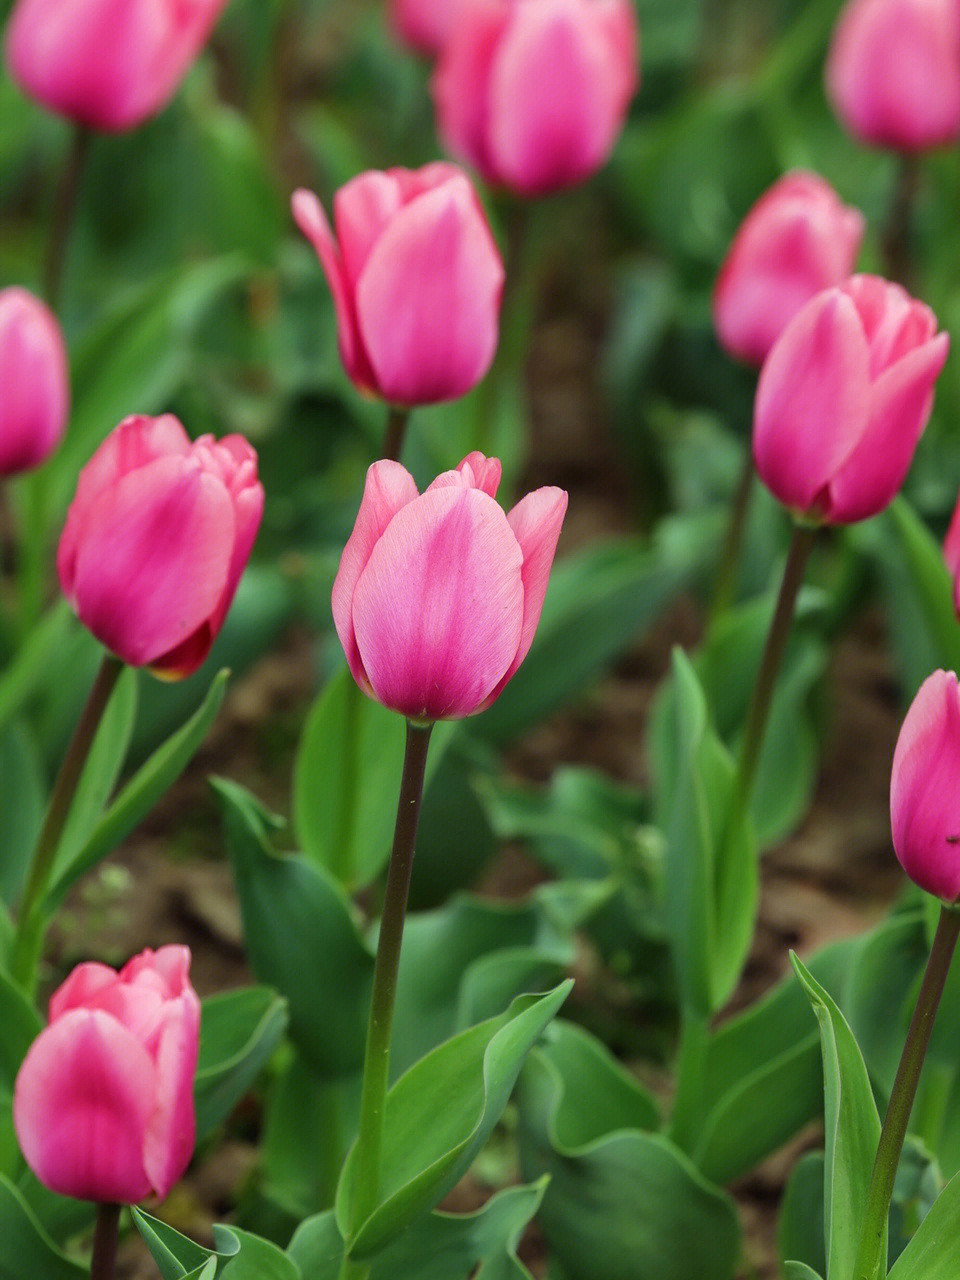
(362, 210)
(154, 561)
(924, 797)
(84, 987)
(460, 83)
(428, 299)
(82, 1102)
(389, 486)
(951, 552)
(438, 609)
(171, 1133)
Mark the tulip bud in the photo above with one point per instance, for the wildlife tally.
(438, 595)
(893, 72)
(843, 399)
(108, 64)
(103, 1102)
(924, 797)
(534, 93)
(416, 280)
(156, 540)
(424, 24)
(797, 239)
(35, 382)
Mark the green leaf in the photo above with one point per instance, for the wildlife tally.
(852, 1128)
(301, 938)
(34, 660)
(176, 1255)
(428, 1148)
(252, 1258)
(934, 1252)
(21, 1026)
(353, 746)
(140, 794)
(800, 1231)
(26, 1251)
(239, 1030)
(22, 800)
(799, 1271)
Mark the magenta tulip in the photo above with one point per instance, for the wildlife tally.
(843, 398)
(103, 1102)
(416, 280)
(534, 93)
(438, 595)
(424, 24)
(108, 64)
(797, 239)
(34, 381)
(893, 72)
(924, 797)
(156, 540)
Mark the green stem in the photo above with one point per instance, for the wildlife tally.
(29, 934)
(727, 574)
(870, 1263)
(64, 208)
(105, 1237)
(895, 237)
(376, 1066)
(397, 420)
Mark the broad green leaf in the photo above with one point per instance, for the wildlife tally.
(22, 801)
(800, 1230)
(799, 1271)
(20, 1025)
(140, 794)
(26, 1251)
(852, 1128)
(35, 659)
(238, 1032)
(250, 1258)
(175, 1254)
(439, 1115)
(301, 938)
(934, 1252)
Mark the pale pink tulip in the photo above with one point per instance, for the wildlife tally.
(438, 595)
(797, 239)
(843, 399)
(156, 540)
(103, 1103)
(34, 381)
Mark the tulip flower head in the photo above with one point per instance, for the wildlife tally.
(798, 239)
(924, 797)
(416, 280)
(843, 399)
(951, 554)
(34, 381)
(534, 93)
(438, 595)
(103, 1102)
(156, 540)
(424, 24)
(107, 64)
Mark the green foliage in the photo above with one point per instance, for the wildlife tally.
(238, 1032)
(934, 1252)
(25, 1248)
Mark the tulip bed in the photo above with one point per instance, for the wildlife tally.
(479, 589)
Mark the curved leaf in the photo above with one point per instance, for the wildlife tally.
(26, 1251)
(238, 1032)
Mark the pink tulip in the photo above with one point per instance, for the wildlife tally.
(108, 64)
(416, 280)
(34, 381)
(924, 797)
(797, 239)
(424, 24)
(438, 595)
(156, 540)
(103, 1102)
(893, 72)
(534, 93)
(844, 397)
(951, 553)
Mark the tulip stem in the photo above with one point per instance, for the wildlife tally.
(65, 206)
(105, 1237)
(397, 420)
(376, 1066)
(870, 1263)
(28, 938)
(727, 573)
(895, 237)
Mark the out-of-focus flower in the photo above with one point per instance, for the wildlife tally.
(34, 381)
(424, 24)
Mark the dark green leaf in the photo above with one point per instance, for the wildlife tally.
(22, 801)
(801, 1233)
(238, 1032)
(26, 1251)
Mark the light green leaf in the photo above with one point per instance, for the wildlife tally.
(799, 1271)
(238, 1032)
(251, 1258)
(934, 1252)
(176, 1255)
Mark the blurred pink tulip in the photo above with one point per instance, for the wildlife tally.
(924, 797)
(438, 595)
(416, 280)
(893, 72)
(108, 64)
(843, 398)
(103, 1102)
(951, 553)
(34, 381)
(797, 239)
(156, 540)
(534, 93)
(424, 24)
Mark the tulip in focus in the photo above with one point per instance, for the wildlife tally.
(156, 540)
(424, 24)
(534, 93)
(34, 381)
(103, 1102)
(438, 595)
(797, 239)
(893, 72)
(416, 280)
(924, 796)
(843, 399)
(107, 64)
